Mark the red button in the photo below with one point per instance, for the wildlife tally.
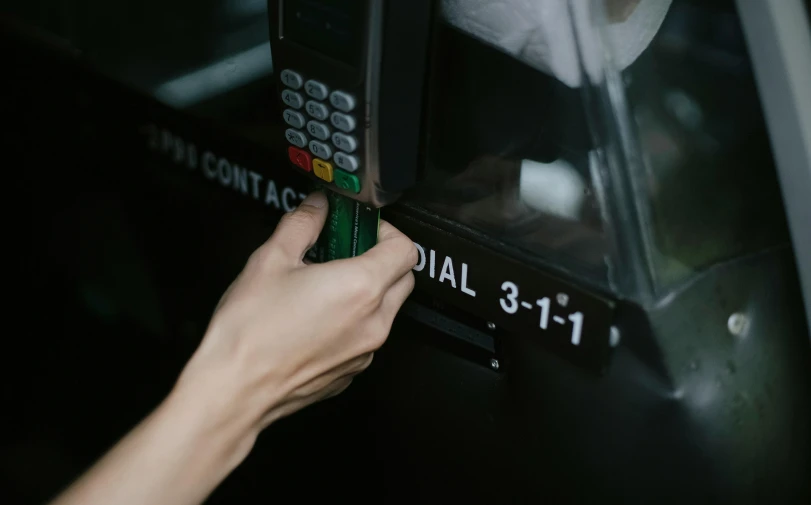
(301, 159)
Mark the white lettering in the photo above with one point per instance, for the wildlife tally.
(466, 290)
(577, 327)
(271, 196)
(510, 303)
(208, 160)
(287, 194)
(241, 179)
(224, 172)
(421, 264)
(255, 178)
(447, 272)
(545, 304)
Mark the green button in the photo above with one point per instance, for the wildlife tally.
(347, 181)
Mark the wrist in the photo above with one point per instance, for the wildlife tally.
(214, 417)
(229, 386)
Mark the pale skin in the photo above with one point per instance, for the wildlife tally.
(267, 353)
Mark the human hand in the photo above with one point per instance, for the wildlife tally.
(287, 334)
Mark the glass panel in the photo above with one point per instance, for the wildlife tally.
(708, 170)
(520, 134)
(537, 141)
(509, 151)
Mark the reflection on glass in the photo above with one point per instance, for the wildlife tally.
(217, 78)
(708, 165)
(554, 188)
(517, 150)
(185, 52)
(556, 36)
(509, 149)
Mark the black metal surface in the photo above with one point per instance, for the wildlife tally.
(457, 332)
(120, 256)
(403, 70)
(507, 293)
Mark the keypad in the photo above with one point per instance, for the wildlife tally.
(311, 124)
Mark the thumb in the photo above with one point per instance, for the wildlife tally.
(298, 230)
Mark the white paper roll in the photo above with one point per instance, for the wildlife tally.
(554, 188)
(541, 33)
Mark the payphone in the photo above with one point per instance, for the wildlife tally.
(607, 304)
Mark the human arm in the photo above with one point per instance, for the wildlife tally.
(284, 335)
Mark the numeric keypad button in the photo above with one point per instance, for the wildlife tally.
(292, 79)
(318, 130)
(296, 137)
(294, 119)
(292, 99)
(343, 122)
(317, 110)
(342, 101)
(346, 161)
(320, 149)
(317, 90)
(346, 143)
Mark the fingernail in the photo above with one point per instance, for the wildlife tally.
(317, 200)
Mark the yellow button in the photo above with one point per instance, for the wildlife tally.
(323, 169)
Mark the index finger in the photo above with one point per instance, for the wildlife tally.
(393, 255)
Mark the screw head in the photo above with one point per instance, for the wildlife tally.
(562, 299)
(491, 326)
(737, 324)
(494, 364)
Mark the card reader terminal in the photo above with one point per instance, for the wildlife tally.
(350, 77)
